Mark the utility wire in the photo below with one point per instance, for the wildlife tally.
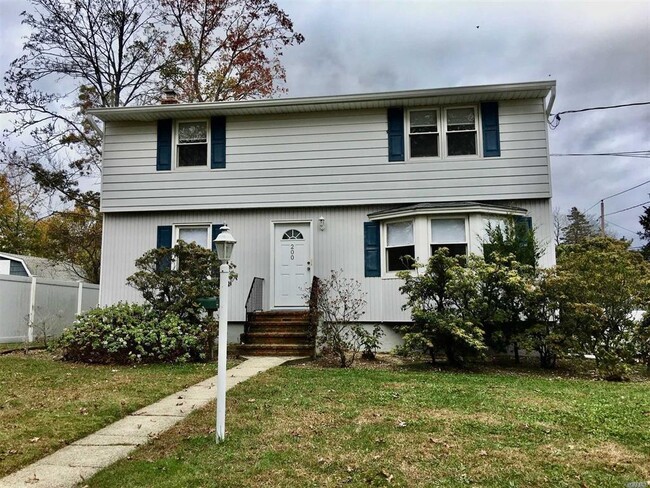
(625, 191)
(623, 154)
(620, 227)
(617, 194)
(553, 123)
(628, 208)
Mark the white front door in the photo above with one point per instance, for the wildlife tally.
(292, 264)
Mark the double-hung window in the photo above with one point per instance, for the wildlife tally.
(461, 131)
(400, 246)
(423, 133)
(198, 234)
(443, 132)
(449, 233)
(192, 144)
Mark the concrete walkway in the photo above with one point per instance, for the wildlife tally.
(83, 458)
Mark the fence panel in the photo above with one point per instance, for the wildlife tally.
(55, 304)
(14, 307)
(90, 297)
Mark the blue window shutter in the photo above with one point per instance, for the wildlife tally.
(164, 148)
(395, 134)
(218, 142)
(524, 221)
(523, 226)
(372, 249)
(164, 241)
(216, 228)
(491, 137)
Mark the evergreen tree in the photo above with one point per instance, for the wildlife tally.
(579, 228)
(644, 220)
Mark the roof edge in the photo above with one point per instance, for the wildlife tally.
(300, 102)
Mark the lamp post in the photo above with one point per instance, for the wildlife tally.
(224, 244)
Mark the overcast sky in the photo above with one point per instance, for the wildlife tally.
(599, 53)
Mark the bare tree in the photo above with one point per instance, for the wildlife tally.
(227, 49)
(559, 222)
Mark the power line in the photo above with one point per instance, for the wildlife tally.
(601, 107)
(621, 227)
(623, 154)
(625, 191)
(617, 194)
(628, 208)
(556, 117)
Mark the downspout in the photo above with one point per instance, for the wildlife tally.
(551, 101)
(93, 124)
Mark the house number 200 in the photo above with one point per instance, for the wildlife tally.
(293, 251)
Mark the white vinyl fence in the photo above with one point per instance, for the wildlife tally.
(33, 307)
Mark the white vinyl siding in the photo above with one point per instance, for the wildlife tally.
(340, 246)
(323, 159)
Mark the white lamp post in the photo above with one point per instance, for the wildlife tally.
(224, 244)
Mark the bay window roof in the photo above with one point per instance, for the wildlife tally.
(446, 208)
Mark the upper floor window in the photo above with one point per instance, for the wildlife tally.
(423, 133)
(449, 233)
(461, 131)
(448, 132)
(400, 246)
(192, 143)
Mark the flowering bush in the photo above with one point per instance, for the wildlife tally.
(130, 333)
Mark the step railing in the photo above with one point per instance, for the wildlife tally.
(314, 295)
(255, 300)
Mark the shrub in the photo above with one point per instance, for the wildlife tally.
(513, 237)
(340, 304)
(173, 279)
(128, 333)
(545, 333)
(604, 283)
(443, 300)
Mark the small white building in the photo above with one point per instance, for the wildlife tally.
(308, 185)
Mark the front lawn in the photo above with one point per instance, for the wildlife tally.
(308, 426)
(46, 404)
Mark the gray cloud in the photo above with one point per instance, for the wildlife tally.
(599, 53)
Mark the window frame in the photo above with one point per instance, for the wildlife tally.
(438, 132)
(430, 219)
(198, 225)
(443, 153)
(177, 144)
(476, 132)
(385, 247)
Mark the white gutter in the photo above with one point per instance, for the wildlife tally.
(286, 105)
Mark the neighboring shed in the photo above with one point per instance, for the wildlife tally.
(21, 265)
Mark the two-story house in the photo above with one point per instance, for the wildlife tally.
(308, 185)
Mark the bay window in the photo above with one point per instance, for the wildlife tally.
(449, 233)
(400, 246)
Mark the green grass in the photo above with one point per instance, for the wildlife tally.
(307, 426)
(46, 404)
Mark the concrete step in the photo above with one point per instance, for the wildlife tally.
(276, 350)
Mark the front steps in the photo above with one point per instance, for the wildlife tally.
(277, 333)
